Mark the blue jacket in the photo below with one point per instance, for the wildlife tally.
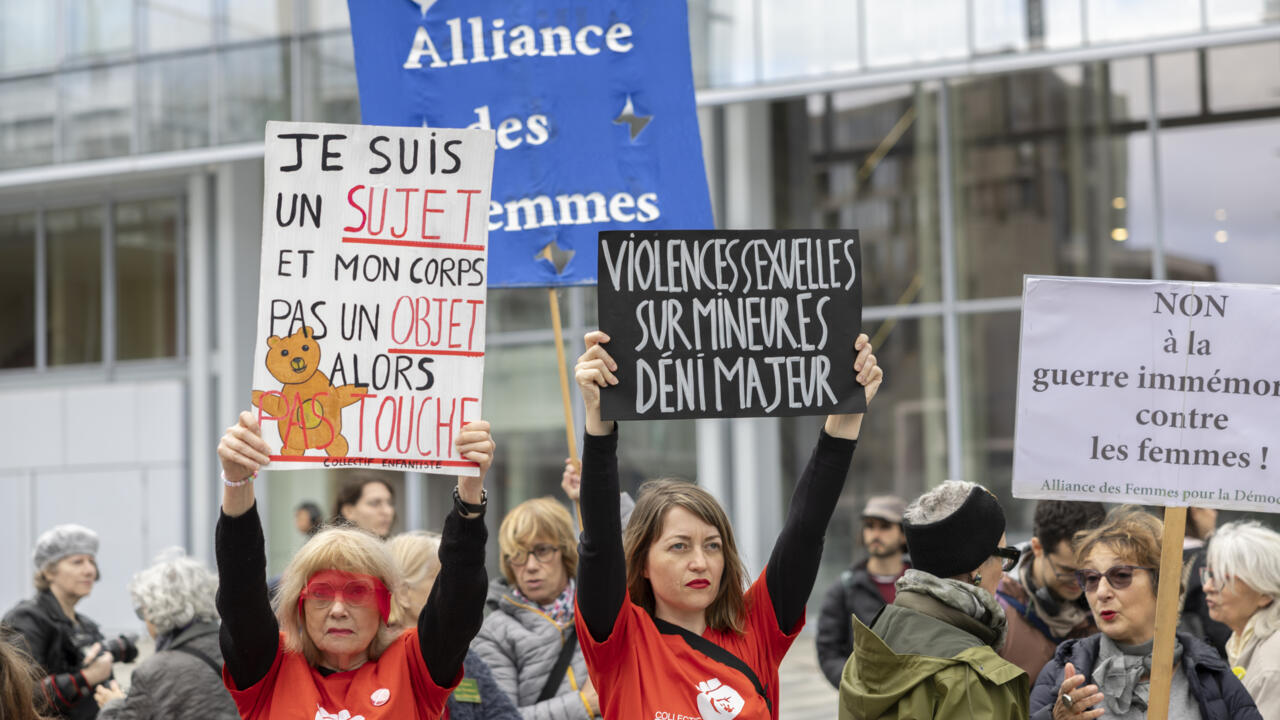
(1214, 686)
(494, 704)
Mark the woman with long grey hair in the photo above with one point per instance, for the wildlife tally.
(175, 598)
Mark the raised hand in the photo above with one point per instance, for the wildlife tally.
(870, 375)
(595, 369)
(475, 444)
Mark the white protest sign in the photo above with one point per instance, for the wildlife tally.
(371, 311)
(1158, 393)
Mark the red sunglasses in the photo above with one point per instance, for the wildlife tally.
(328, 586)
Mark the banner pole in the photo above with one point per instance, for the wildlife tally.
(561, 370)
(1175, 524)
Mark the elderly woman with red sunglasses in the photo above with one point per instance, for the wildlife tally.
(1108, 675)
(326, 653)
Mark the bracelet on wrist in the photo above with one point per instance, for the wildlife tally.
(236, 483)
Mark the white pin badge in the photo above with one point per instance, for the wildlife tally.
(380, 697)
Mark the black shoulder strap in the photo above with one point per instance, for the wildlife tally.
(717, 653)
(199, 656)
(561, 667)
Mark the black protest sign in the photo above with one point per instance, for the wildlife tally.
(737, 323)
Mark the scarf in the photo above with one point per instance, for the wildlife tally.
(1070, 615)
(559, 610)
(1238, 642)
(1119, 674)
(968, 599)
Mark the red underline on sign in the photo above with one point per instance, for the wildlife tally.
(418, 351)
(412, 243)
(374, 461)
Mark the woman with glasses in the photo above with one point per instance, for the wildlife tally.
(1241, 584)
(326, 652)
(933, 652)
(1109, 674)
(667, 621)
(528, 640)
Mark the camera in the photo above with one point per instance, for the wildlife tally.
(123, 648)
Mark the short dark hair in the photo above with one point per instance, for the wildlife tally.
(1058, 520)
(352, 489)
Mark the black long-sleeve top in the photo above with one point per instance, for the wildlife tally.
(250, 635)
(793, 564)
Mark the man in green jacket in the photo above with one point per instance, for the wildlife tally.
(933, 652)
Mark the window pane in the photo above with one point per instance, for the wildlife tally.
(176, 24)
(913, 31)
(255, 19)
(255, 86)
(1111, 20)
(98, 27)
(868, 161)
(989, 357)
(1233, 13)
(28, 35)
(74, 243)
(174, 103)
(808, 37)
(146, 235)
(1003, 26)
(1046, 183)
(18, 290)
(329, 79)
(327, 15)
(728, 29)
(514, 309)
(1178, 84)
(1220, 185)
(97, 104)
(26, 122)
(1244, 77)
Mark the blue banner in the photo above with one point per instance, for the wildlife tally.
(591, 100)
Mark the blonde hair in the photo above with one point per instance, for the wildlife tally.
(417, 557)
(657, 497)
(537, 518)
(347, 549)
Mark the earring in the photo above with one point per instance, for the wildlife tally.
(977, 578)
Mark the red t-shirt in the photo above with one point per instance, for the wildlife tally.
(642, 674)
(396, 685)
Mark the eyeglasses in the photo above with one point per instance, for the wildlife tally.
(1009, 555)
(321, 595)
(1207, 575)
(1066, 575)
(1118, 577)
(542, 552)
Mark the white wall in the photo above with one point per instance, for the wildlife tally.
(107, 456)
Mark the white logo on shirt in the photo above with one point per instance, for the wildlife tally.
(717, 701)
(322, 714)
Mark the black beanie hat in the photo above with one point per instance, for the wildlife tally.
(960, 542)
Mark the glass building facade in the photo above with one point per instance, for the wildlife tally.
(971, 142)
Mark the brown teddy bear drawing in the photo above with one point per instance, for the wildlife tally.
(308, 408)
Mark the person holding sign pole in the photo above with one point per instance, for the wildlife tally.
(1108, 674)
(327, 651)
(665, 625)
(1242, 586)
(932, 652)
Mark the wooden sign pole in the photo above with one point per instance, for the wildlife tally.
(1175, 524)
(561, 370)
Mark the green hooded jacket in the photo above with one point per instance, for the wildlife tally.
(914, 665)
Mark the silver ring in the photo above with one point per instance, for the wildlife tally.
(1065, 699)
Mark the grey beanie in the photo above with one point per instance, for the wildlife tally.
(60, 541)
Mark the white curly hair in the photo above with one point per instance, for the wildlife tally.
(938, 503)
(175, 591)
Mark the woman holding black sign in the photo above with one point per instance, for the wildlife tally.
(662, 616)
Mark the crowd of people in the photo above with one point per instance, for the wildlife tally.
(646, 610)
